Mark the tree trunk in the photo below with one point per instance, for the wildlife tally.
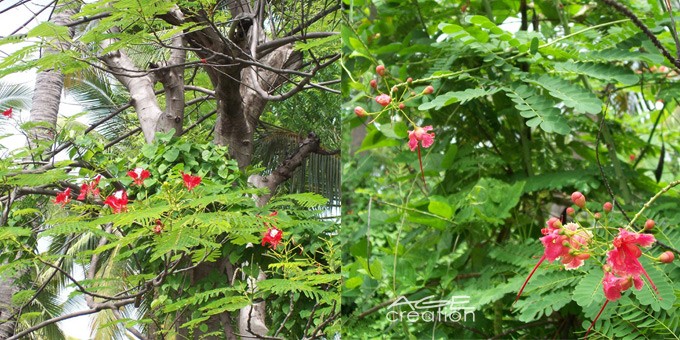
(7, 289)
(49, 83)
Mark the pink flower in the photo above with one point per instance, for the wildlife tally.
(139, 175)
(567, 243)
(420, 134)
(191, 181)
(272, 236)
(383, 99)
(613, 285)
(118, 201)
(89, 188)
(63, 197)
(7, 113)
(623, 259)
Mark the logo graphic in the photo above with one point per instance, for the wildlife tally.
(427, 309)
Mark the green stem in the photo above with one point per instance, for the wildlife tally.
(651, 200)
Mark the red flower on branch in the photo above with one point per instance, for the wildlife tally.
(139, 175)
(89, 188)
(272, 236)
(7, 113)
(191, 181)
(118, 201)
(158, 228)
(63, 197)
(623, 259)
(420, 134)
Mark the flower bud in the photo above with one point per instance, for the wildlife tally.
(597, 216)
(570, 211)
(578, 199)
(607, 207)
(649, 224)
(374, 83)
(383, 99)
(409, 80)
(428, 90)
(402, 106)
(380, 70)
(666, 257)
(360, 112)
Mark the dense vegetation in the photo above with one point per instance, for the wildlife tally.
(530, 102)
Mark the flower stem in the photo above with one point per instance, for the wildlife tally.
(529, 277)
(597, 317)
(422, 173)
(651, 200)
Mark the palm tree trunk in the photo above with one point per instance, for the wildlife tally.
(49, 83)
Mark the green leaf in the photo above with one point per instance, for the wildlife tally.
(542, 109)
(572, 95)
(171, 155)
(607, 72)
(455, 97)
(440, 206)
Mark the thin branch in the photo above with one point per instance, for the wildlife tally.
(628, 13)
(97, 308)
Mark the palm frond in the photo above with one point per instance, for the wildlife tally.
(320, 173)
(15, 95)
(97, 94)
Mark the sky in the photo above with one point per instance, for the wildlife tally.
(77, 328)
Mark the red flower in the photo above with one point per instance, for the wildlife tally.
(7, 113)
(623, 259)
(272, 236)
(139, 175)
(118, 201)
(191, 181)
(383, 99)
(613, 285)
(63, 197)
(274, 213)
(158, 228)
(420, 134)
(91, 188)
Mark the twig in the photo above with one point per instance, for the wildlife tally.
(651, 200)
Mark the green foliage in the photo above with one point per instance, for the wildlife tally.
(516, 119)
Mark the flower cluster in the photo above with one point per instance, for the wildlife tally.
(118, 200)
(573, 244)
